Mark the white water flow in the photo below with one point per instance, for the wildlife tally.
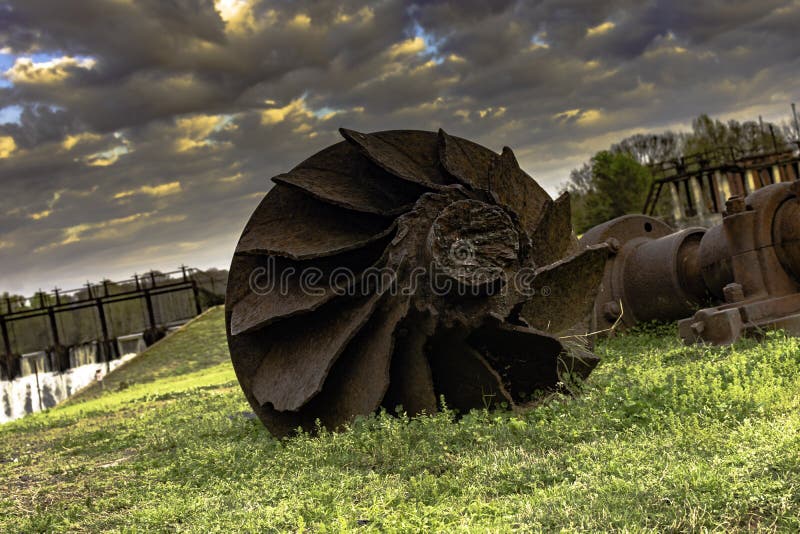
(34, 391)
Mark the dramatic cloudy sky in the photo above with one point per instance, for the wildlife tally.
(139, 134)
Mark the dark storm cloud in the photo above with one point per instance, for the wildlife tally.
(40, 124)
(155, 61)
(149, 129)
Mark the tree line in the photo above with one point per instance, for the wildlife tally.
(616, 181)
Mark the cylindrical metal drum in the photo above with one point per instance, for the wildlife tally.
(662, 277)
(786, 236)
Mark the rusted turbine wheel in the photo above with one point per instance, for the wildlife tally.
(397, 267)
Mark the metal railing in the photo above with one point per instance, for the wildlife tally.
(99, 297)
(699, 184)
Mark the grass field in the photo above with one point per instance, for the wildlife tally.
(664, 438)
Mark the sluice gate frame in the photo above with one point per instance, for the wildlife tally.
(700, 184)
(99, 297)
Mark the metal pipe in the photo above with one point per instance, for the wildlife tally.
(198, 307)
(151, 315)
(786, 234)
(774, 141)
(6, 339)
(38, 388)
(104, 328)
(672, 261)
(53, 326)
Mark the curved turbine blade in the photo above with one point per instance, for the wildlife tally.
(279, 288)
(409, 156)
(339, 175)
(466, 161)
(512, 187)
(411, 382)
(360, 377)
(553, 239)
(297, 357)
(295, 225)
(462, 375)
(527, 360)
(565, 291)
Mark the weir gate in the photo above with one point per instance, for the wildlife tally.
(56, 331)
(692, 190)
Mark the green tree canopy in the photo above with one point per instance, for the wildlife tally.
(618, 186)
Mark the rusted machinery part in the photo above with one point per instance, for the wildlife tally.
(608, 307)
(761, 236)
(786, 235)
(652, 273)
(662, 276)
(715, 262)
(396, 267)
(746, 268)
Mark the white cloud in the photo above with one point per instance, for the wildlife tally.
(600, 29)
(7, 146)
(162, 190)
(26, 70)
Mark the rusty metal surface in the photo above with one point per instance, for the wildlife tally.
(513, 187)
(662, 277)
(553, 238)
(745, 270)
(297, 357)
(564, 293)
(409, 155)
(652, 272)
(765, 292)
(715, 262)
(411, 383)
(786, 234)
(462, 375)
(338, 175)
(276, 291)
(358, 381)
(433, 232)
(473, 242)
(466, 161)
(525, 359)
(315, 228)
(257, 311)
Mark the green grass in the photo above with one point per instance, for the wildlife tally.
(663, 438)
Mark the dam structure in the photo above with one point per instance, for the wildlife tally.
(54, 344)
(692, 190)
